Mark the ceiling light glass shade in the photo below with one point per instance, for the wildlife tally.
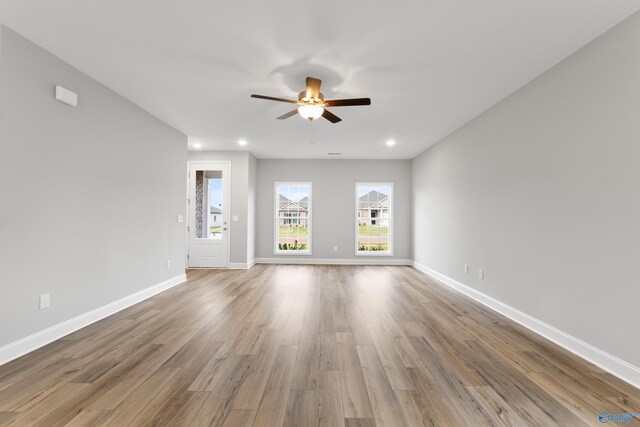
(310, 112)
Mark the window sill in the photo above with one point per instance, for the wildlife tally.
(374, 253)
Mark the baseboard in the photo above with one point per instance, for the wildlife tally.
(610, 363)
(242, 265)
(32, 342)
(332, 261)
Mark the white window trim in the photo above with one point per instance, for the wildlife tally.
(277, 251)
(391, 220)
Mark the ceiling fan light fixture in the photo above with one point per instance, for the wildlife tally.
(310, 112)
(311, 103)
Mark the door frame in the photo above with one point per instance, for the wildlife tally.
(188, 209)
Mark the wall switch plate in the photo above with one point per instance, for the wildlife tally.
(335, 249)
(466, 269)
(44, 301)
(180, 218)
(168, 264)
(481, 274)
(235, 218)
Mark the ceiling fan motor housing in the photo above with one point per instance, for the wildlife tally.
(302, 97)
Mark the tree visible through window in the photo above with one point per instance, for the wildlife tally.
(293, 218)
(374, 206)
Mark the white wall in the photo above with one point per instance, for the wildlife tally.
(333, 200)
(542, 192)
(240, 161)
(89, 195)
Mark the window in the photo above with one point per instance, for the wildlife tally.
(208, 194)
(374, 218)
(292, 218)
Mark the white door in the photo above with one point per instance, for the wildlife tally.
(208, 215)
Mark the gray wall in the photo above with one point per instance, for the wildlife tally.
(542, 192)
(251, 209)
(240, 161)
(333, 201)
(89, 195)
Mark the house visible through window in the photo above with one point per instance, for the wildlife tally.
(374, 219)
(293, 218)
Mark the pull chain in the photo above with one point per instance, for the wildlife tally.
(311, 138)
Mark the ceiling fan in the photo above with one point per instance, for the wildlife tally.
(311, 103)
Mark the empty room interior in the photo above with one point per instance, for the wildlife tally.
(347, 214)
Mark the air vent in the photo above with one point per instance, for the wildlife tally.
(334, 154)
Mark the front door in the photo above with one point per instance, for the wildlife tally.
(208, 215)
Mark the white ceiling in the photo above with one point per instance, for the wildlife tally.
(429, 66)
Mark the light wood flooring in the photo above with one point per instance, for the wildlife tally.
(306, 346)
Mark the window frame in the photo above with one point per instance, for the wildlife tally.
(276, 218)
(388, 252)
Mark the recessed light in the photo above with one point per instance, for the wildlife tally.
(197, 145)
(242, 142)
(391, 143)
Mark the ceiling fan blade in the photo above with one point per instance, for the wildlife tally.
(313, 87)
(271, 98)
(347, 102)
(289, 114)
(330, 116)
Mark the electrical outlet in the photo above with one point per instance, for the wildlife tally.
(466, 269)
(180, 218)
(168, 263)
(44, 301)
(335, 249)
(481, 274)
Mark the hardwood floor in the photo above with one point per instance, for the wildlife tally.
(307, 345)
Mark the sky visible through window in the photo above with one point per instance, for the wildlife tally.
(215, 192)
(294, 193)
(365, 189)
